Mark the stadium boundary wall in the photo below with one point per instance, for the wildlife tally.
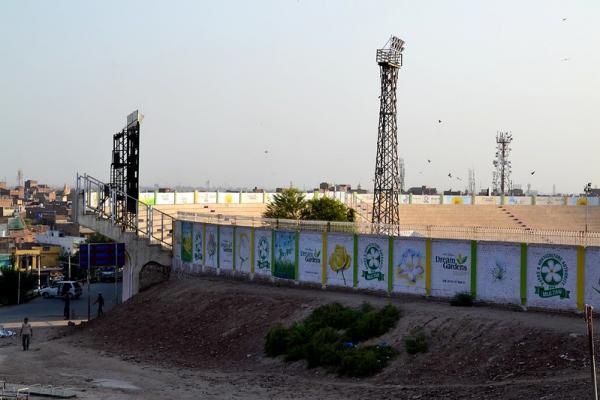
(554, 277)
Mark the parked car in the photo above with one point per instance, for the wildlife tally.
(108, 275)
(58, 288)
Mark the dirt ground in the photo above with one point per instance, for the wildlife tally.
(202, 338)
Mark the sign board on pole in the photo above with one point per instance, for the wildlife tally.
(101, 255)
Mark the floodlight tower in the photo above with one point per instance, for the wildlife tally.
(501, 163)
(386, 202)
(125, 169)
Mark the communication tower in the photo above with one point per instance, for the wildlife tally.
(503, 167)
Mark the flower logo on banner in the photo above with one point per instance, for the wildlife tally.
(498, 272)
(372, 262)
(263, 253)
(552, 272)
(243, 249)
(411, 266)
(211, 246)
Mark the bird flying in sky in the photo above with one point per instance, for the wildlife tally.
(450, 175)
(532, 172)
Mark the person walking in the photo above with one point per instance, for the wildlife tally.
(100, 302)
(26, 334)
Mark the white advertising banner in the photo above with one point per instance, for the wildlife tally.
(518, 201)
(184, 198)
(458, 199)
(549, 201)
(372, 262)
(229, 198)
(340, 261)
(409, 266)
(252, 198)
(499, 272)
(552, 277)
(212, 246)
(592, 276)
(450, 267)
(404, 199)
(310, 257)
(198, 246)
(242, 249)
(226, 248)
(262, 251)
(583, 201)
(488, 200)
(165, 198)
(207, 198)
(425, 199)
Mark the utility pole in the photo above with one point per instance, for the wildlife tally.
(386, 201)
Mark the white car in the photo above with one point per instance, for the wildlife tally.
(58, 288)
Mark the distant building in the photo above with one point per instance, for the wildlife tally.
(422, 190)
(68, 244)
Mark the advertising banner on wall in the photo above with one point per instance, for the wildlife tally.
(450, 267)
(212, 246)
(186, 241)
(499, 272)
(488, 200)
(242, 249)
(226, 248)
(458, 200)
(147, 198)
(372, 262)
(285, 255)
(425, 199)
(262, 251)
(165, 198)
(340, 262)
(229, 198)
(198, 245)
(549, 201)
(518, 200)
(252, 198)
(310, 257)
(184, 198)
(592, 276)
(409, 266)
(404, 199)
(206, 197)
(177, 240)
(583, 201)
(552, 276)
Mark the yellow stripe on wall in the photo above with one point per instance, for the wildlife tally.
(428, 267)
(324, 260)
(580, 276)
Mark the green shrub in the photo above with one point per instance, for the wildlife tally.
(464, 299)
(321, 339)
(365, 361)
(276, 343)
(416, 342)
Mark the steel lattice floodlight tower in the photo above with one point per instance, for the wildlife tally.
(124, 170)
(386, 202)
(502, 164)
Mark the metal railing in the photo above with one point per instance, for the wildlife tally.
(558, 237)
(100, 199)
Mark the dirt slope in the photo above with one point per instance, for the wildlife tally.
(215, 324)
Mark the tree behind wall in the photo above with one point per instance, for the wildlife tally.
(286, 205)
(327, 209)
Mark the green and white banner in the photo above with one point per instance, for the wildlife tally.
(262, 252)
(552, 276)
(310, 257)
(373, 262)
(284, 259)
(165, 198)
(198, 245)
(184, 198)
(340, 260)
(212, 246)
(243, 238)
(450, 267)
(409, 266)
(226, 248)
(186, 241)
(592, 276)
(177, 240)
(499, 272)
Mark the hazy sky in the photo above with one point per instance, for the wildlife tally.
(220, 82)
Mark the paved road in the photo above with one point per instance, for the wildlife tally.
(40, 309)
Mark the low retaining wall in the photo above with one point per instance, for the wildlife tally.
(542, 276)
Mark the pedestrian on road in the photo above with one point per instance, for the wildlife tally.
(67, 310)
(26, 333)
(100, 302)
